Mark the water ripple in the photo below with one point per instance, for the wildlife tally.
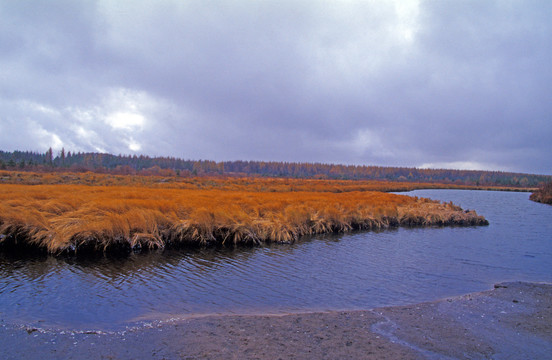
(359, 270)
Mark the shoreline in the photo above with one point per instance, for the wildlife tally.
(513, 321)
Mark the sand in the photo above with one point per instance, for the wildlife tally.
(511, 321)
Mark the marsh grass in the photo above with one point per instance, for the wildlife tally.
(227, 183)
(543, 194)
(78, 218)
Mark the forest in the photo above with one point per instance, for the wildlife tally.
(171, 166)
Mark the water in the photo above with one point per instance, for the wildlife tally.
(352, 271)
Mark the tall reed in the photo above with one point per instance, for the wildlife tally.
(73, 218)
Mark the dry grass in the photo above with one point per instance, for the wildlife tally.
(72, 218)
(252, 184)
(543, 194)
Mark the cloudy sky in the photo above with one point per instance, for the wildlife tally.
(454, 84)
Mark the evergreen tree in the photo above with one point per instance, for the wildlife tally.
(62, 156)
(50, 157)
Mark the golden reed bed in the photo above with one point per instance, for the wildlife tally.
(236, 183)
(73, 218)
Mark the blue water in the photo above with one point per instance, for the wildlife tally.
(351, 271)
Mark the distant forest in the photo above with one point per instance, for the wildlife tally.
(171, 166)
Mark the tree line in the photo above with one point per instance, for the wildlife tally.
(172, 166)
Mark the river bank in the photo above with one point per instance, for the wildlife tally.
(511, 321)
(543, 194)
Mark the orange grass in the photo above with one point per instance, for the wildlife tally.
(72, 218)
(256, 184)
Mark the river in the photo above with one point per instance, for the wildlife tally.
(348, 271)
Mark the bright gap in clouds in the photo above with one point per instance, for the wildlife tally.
(123, 116)
(133, 145)
(407, 16)
(126, 120)
(127, 123)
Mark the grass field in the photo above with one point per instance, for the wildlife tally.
(63, 213)
(260, 184)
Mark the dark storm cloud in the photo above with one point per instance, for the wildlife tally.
(455, 84)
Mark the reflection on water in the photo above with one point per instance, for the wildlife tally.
(360, 270)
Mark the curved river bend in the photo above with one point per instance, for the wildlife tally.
(351, 271)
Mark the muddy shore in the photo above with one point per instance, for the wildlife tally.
(511, 321)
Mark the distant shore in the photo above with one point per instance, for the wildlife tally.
(513, 321)
(543, 194)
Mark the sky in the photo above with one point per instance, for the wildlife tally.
(440, 84)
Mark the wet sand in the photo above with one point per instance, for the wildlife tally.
(511, 321)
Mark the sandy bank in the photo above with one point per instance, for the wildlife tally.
(512, 321)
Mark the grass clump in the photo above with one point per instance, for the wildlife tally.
(77, 218)
(543, 194)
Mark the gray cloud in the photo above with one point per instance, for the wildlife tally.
(448, 84)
